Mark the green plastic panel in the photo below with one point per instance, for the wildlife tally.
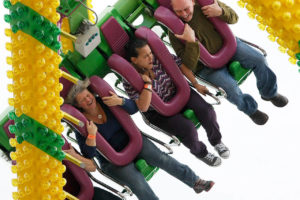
(190, 114)
(25, 19)
(238, 72)
(70, 67)
(74, 57)
(27, 129)
(147, 170)
(94, 64)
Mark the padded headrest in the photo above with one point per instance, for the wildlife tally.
(125, 69)
(114, 34)
(167, 17)
(5, 127)
(165, 3)
(66, 145)
(128, 154)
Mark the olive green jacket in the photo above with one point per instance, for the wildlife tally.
(205, 32)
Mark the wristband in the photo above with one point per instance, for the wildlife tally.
(147, 82)
(148, 86)
(91, 136)
(148, 89)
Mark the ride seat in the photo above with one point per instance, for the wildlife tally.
(78, 182)
(117, 38)
(5, 134)
(166, 16)
(147, 170)
(128, 154)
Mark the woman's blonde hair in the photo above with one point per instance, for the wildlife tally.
(75, 90)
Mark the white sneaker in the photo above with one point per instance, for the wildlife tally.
(222, 150)
(211, 160)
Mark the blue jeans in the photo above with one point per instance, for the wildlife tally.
(103, 194)
(250, 59)
(131, 177)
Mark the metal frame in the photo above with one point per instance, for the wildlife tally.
(120, 194)
(159, 142)
(174, 140)
(126, 189)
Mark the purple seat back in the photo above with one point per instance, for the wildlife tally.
(133, 148)
(9, 135)
(124, 68)
(78, 182)
(165, 15)
(5, 127)
(115, 36)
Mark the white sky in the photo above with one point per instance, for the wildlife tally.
(264, 162)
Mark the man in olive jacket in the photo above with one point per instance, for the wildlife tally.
(198, 26)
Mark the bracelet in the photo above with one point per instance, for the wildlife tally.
(148, 89)
(123, 101)
(91, 136)
(148, 86)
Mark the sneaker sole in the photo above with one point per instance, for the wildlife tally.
(225, 157)
(210, 186)
(217, 165)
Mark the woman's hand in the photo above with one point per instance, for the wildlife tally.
(146, 78)
(113, 100)
(91, 128)
(201, 88)
(70, 151)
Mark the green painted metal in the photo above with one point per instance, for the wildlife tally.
(94, 64)
(23, 18)
(70, 67)
(152, 3)
(66, 7)
(238, 72)
(74, 57)
(190, 114)
(147, 170)
(76, 17)
(130, 10)
(126, 7)
(138, 11)
(28, 129)
(4, 140)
